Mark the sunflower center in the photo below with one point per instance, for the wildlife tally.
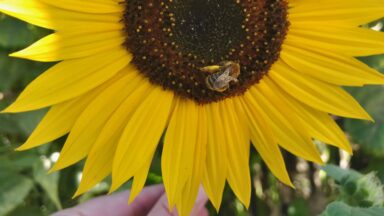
(205, 50)
(208, 29)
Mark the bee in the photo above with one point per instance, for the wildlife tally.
(220, 76)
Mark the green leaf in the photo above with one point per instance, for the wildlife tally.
(8, 125)
(154, 178)
(16, 34)
(357, 189)
(49, 182)
(377, 165)
(17, 73)
(369, 135)
(13, 189)
(18, 161)
(342, 209)
(340, 174)
(298, 207)
(28, 121)
(27, 210)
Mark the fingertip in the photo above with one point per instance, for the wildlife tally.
(201, 196)
(201, 200)
(161, 207)
(203, 212)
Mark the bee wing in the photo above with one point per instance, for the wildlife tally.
(226, 74)
(224, 77)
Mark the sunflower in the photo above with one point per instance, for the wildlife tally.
(213, 76)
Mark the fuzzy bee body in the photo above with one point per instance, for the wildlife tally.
(222, 75)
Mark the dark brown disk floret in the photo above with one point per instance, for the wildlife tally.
(172, 40)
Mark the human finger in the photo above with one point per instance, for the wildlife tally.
(116, 204)
(161, 207)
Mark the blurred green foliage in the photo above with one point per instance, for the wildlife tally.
(27, 189)
(339, 208)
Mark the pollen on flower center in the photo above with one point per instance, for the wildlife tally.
(207, 29)
(205, 50)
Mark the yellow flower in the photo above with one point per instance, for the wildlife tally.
(214, 74)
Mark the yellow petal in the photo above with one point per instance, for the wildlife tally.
(63, 46)
(290, 133)
(331, 68)
(263, 140)
(59, 120)
(141, 136)
(319, 95)
(342, 40)
(139, 179)
(99, 161)
(69, 79)
(319, 124)
(183, 155)
(237, 142)
(89, 124)
(191, 187)
(215, 172)
(178, 151)
(94, 6)
(344, 12)
(40, 14)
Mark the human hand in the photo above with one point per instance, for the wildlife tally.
(152, 201)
